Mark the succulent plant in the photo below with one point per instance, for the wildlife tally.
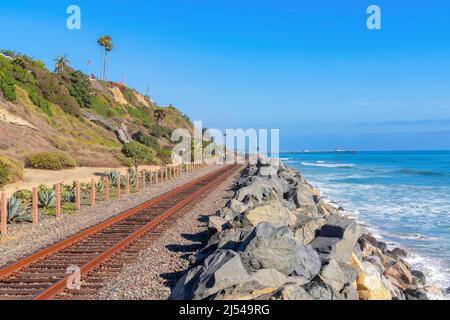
(68, 193)
(46, 197)
(100, 186)
(132, 175)
(16, 214)
(113, 177)
(24, 195)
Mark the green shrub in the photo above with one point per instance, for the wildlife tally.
(165, 155)
(8, 88)
(79, 88)
(54, 91)
(51, 161)
(39, 101)
(24, 195)
(146, 140)
(138, 153)
(10, 171)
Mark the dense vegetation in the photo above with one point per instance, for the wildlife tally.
(60, 96)
(10, 171)
(51, 161)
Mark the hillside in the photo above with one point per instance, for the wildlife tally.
(67, 111)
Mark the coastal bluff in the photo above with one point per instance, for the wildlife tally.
(277, 239)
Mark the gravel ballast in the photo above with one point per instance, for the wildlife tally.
(24, 239)
(154, 272)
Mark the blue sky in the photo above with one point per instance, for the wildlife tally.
(310, 68)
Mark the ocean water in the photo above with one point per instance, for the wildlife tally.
(403, 198)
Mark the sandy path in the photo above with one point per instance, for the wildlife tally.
(34, 178)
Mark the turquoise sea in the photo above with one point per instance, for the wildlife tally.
(402, 197)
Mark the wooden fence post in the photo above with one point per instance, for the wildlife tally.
(34, 206)
(77, 195)
(150, 174)
(144, 178)
(92, 193)
(107, 188)
(137, 180)
(3, 215)
(58, 200)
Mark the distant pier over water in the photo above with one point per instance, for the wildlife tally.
(320, 152)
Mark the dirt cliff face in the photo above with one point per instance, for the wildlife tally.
(46, 115)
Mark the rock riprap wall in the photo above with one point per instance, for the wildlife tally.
(278, 239)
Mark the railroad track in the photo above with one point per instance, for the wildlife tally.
(100, 252)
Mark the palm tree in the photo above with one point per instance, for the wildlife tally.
(159, 115)
(106, 47)
(61, 63)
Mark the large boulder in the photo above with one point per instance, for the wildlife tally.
(230, 239)
(309, 230)
(369, 283)
(219, 271)
(400, 276)
(319, 291)
(273, 212)
(333, 276)
(276, 248)
(237, 207)
(217, 224)
(337, 240)
(303, 197)
(270, 278)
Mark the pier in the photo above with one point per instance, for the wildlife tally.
(322, 152)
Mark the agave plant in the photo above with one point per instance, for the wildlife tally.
(68, 193)
(123, 182)
(16, 214)
(46, 197)
(100, 186)
(132, 175)
(113, 177)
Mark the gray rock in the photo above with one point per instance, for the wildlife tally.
(348, 293)
(419, 277)
(398, 253)
(271, 248)
(309, 230)
(396, 293)
(270, 278)
(291, 292)
(376, 261)
(319, 291)
(350, 273)
(276, 248)
(308, 262)
(415, 295)
(219, 271)
(272, 212)
(303, 197)
(337, 240)
(382, 246)
(230, 239)
(217, 224)
(368, 238)
(333, 276)
(237, 207)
